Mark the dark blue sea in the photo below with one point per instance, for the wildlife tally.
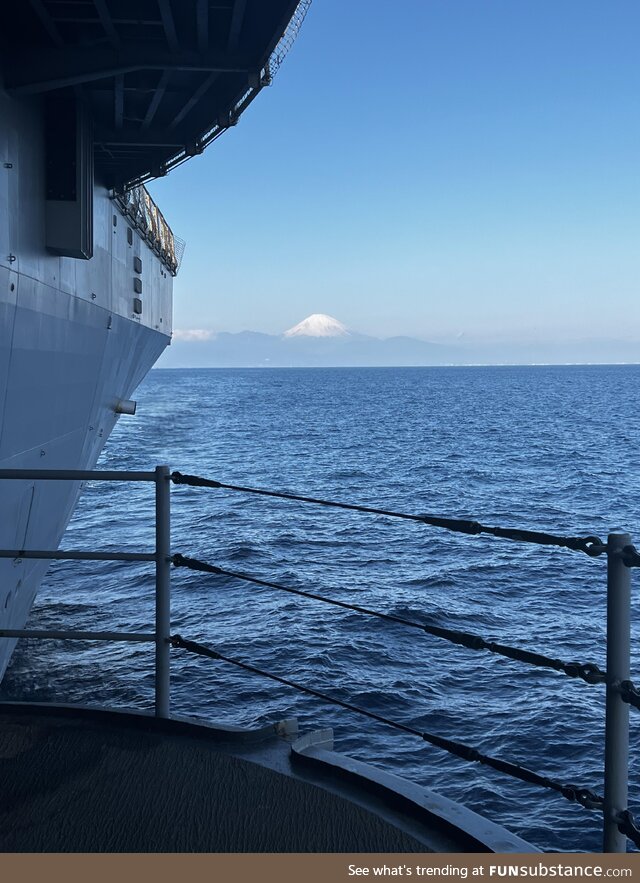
(550, 448)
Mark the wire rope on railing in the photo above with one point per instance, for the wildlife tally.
(628, 826)
(588, 672)
(574, 793)
(631, 556)
(621, 554)
(590, 545)
(629, 693)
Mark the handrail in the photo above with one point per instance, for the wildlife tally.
(161, 556)
(138, 205)
(77, 475)
(618, 821)
(62, 635)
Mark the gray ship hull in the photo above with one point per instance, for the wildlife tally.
(76, 339)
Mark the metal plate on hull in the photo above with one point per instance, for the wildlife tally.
(70, 350)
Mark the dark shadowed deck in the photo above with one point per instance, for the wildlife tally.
(77, 780)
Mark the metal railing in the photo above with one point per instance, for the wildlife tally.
(620, 693)
(616, 739)
(138, 205)
(161, 556)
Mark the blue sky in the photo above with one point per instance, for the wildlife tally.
(431, 167)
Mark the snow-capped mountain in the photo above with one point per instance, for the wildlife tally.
(322, 341)
(319, 340)
(318, 325)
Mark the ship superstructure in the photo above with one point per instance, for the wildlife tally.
(97, 97)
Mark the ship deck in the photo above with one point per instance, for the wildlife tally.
(81, 780)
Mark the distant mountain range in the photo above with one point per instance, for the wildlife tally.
(322, 341)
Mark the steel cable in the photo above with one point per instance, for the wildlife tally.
(588, 672)
(590, 545)
(584, 796)
(627, 825)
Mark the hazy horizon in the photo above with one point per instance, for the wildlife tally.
(329, 343)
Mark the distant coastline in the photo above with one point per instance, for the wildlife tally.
(161, 367)
(321, 341)
(250, 350)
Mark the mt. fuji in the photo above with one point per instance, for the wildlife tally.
(317, 341)
(318, 325)
(322, 341)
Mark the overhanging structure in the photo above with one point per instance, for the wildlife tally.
(158, 79)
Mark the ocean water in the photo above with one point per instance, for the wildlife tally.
(551, 448)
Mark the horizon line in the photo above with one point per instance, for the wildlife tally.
(394, 367)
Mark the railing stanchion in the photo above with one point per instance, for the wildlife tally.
(616, 751)
(163, 589)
